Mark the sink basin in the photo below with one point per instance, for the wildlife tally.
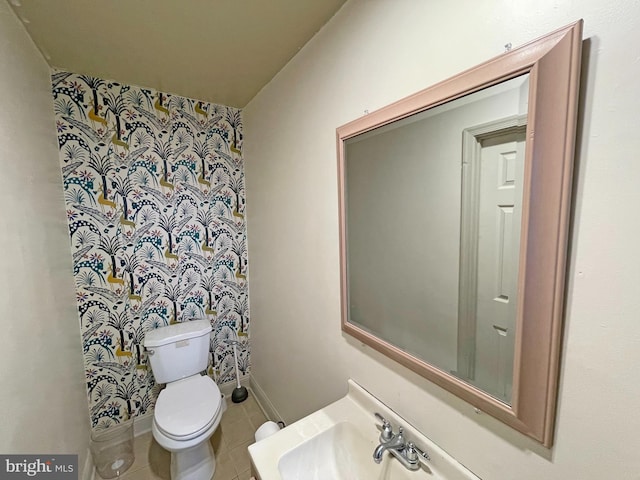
(335, 453)
(340, 453)
(337, 443)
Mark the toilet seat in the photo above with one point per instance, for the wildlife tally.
(187, 408)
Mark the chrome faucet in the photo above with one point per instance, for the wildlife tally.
(406, 452)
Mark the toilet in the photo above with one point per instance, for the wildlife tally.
(189, 409)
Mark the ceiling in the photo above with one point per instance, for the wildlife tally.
(221, 51)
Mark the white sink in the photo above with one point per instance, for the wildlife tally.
(337, 443)
(339, 453)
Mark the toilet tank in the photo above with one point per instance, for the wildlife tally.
(178, 351)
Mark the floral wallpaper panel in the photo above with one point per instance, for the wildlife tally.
(154, 191)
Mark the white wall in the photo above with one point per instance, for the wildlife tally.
(43, 400)
(374, 52)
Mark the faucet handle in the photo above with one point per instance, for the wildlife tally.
(381, 418)
(414, 454)
(387, 430)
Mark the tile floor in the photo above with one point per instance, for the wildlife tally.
(230, 442)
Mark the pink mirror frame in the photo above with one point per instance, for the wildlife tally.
(553, 63)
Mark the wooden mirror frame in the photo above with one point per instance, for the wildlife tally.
(553, 63)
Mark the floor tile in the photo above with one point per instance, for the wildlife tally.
(144, 473)
(224, 468)
(251, 406)
(238, 432)
(246, 475)
(257, 419)
(233, 414)
(141, 447)
(240, 457)
(218, 444)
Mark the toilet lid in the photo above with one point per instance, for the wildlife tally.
(187, 406)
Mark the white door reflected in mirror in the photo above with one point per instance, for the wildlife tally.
(490, 232)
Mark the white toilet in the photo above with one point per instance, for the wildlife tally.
(189, 409)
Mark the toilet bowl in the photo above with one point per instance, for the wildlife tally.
(189, 409)
(187, 413)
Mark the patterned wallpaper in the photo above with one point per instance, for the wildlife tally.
(154, 192)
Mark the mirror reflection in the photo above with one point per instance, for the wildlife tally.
(433, 210)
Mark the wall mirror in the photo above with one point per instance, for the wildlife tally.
(454, 208)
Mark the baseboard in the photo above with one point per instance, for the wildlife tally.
(263, 401)
(142, 423)
(89, 470)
